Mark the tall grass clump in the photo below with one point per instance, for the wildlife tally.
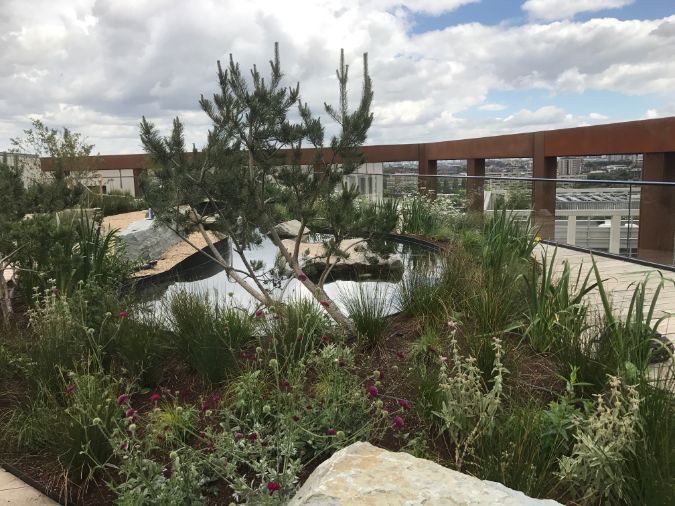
(208, 335)
(417, 292)
(368, 307)
(557, 311)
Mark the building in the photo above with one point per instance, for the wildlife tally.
(570, 166)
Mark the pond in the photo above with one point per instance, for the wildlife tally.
(208, 277)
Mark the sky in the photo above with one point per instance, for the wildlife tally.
(441, 69)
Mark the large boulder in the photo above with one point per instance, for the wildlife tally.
(147, 240)
(361, 261)
(290, 229)
(366, 475)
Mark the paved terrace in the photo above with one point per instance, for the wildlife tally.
(16, 492)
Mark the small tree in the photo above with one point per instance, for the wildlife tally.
(71, 160)
(252, 163)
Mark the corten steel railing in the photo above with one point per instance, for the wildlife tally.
(596, 215)
(654, 139)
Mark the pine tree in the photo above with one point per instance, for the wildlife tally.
(251, 163)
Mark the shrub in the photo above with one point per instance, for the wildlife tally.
(113, 202)
(596, 469)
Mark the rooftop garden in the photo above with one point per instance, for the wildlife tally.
(480, 358)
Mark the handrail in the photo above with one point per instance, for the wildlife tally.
(534, 179)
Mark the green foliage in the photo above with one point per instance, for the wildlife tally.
(368, 307)
(557, 312)
(209, 336)
(113, 202)
(13, 204)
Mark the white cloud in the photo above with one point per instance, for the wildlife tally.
(597, 116)
(551, 10)
(98, 66)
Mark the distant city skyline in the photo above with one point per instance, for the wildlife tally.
(442, 69)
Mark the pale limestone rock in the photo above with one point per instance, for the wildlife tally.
(290, 229)
(362, 474)
(360, 261)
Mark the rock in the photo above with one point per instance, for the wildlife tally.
(147, 240)
(290, 229)
(366, 475)
(361, 262)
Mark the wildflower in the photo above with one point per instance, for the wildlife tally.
(372, 390)
(298, 339)
(273, 486)
(129, 412)
(122, 399)
(340, 434)
(331, 432)
(341, 362)
(295, 418)
(325, 338)
(166, 472)
(274, 363)
(173, 455)
(208, 413)
(259, 313)
(70, 389)
(155, 397)
(123, 445)
(302, 277)
(400, 355)
(267, 409)
(284, 384)
(238, 436)
(405, 404)
(122, 313)
(325, 303)
(252, 436)
(97, 421)
(537, 238)
(258, 350)
(215, 398)
(398, 422)
(132, 427)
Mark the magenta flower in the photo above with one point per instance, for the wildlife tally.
(130, 412)
(252, 436)
(155, 397)
(325, 303)
(400, 355)
(215, 398)
(273, 486)
(298, 339)
(238, 436)
(372, 390)
(259, 313)
(325, 338)
(405, 404)
(122, 313)
(302, 277)
(122, 399)
(398, 422)
(123, 445)
(70, 389)
(331, 432)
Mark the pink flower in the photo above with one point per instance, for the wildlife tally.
(372, 390)
(405, 404)
(252, 436)
(325, 338)
(215, 398)
(273, 486)
(238, 436)
(398, 422)
(122, 399)
(302, 277)
(129, 413)
(122, 313)
(259, 313)
(325, 303)
(331, 432)
(70, 389)
(123, 445)
(155, 397)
